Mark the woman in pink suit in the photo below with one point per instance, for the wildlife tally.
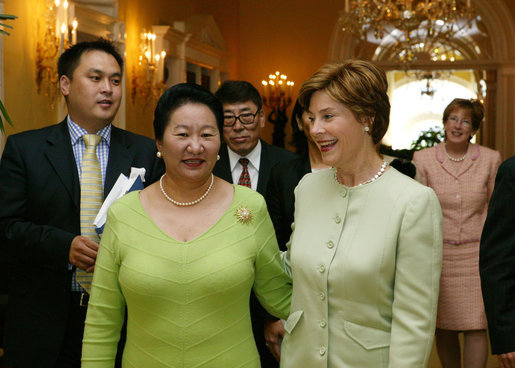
(462, 174)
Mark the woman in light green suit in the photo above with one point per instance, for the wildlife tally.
(365, 253)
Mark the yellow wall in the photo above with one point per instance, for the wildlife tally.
(138, 15)
(30, 110)
(290, 36)
(226, 14)
(27, 108)
(261, 37)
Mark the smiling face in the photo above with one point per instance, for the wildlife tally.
(243, 138)
(93, 94)
(336, 131)
(190, 143)
(458, 127)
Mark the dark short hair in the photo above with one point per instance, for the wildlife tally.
(299, 139)
(359, 85)
(182, 94)
(69, 60)
(238, 91)
(477, 111)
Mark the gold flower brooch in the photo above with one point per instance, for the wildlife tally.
(243, 215)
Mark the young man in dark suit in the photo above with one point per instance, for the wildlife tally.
(246, 159)
(497, 265)
(40, 207)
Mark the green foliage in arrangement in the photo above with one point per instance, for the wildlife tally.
(428, 138)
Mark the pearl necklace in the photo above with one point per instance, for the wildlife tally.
(372, 179)
(184, 204)
(452, 158)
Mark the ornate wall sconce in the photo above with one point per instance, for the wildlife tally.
(56, 31)
(277, 93)
(148, 76)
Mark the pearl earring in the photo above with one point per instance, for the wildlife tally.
(366, 129)
(217, 157)
(158, 154)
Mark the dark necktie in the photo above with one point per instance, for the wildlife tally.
(245, 177)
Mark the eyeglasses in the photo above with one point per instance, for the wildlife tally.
(464, 122)
(246, 119)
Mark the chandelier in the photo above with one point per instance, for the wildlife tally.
(277, 92)
(412, 27)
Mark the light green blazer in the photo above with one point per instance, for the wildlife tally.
(366, 264)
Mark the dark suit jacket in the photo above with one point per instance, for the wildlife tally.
(39, 217)
(280, 198)
(270, 156)
(497, 261)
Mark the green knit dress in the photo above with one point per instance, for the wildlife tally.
(187, 302)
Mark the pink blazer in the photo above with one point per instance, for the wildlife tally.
(463, 195)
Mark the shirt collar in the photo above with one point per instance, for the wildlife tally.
(76, 131)
(254, 157)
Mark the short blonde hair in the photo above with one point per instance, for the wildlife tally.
(359, 85)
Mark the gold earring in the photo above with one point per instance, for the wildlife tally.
(158, 154)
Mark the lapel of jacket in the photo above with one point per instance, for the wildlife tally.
(264, 168)
(120, 159)
(61, 158)
(222, 168)
(472, 155)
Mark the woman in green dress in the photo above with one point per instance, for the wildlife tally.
(183, 254)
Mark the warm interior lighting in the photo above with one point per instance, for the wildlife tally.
(56, 31)
(411, 27)
(277, 96)
(148, 75)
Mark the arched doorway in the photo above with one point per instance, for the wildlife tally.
(485, 51)
(419, 100)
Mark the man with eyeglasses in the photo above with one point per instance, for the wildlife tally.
(247, 160)
(243, 120)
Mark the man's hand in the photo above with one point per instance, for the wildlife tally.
(507, 360)
(274, 333)
(83, 253)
